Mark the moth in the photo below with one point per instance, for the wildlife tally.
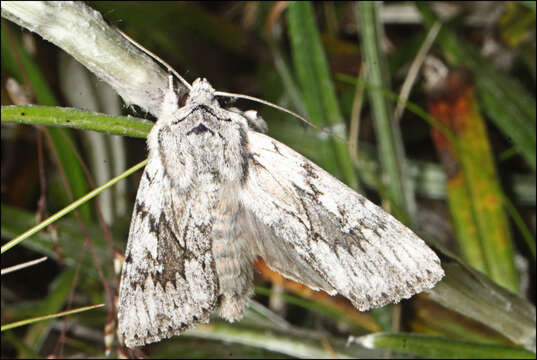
(216, 193)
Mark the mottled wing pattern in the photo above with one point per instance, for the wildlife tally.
(168, 281)
(315, 230)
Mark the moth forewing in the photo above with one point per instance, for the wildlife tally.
(215, 194)
(186, 254)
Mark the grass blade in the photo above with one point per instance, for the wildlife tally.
(318, 90)
(474, 194)
(23, 265)
(391, 153)
(75, 119)
(71, 207)
(48, 317)
(474, 295)
(440, 347)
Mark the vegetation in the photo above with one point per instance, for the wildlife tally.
(437, 107)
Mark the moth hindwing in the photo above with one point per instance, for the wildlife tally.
(215, 194)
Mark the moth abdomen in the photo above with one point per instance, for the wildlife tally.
(233, 256)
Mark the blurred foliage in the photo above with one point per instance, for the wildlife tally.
(298, 56)
(474, 198)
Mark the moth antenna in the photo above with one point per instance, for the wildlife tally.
(155, 57)
(268, 103)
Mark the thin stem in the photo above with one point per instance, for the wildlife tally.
(71, 207)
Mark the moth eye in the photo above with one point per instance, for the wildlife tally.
(182, 100)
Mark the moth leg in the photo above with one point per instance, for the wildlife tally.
(233, 258)
(170, 100)
(254, 120)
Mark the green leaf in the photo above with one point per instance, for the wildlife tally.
(440, 347)
(76, 119)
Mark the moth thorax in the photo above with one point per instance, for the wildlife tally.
(219, 160)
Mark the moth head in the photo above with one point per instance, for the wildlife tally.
(201, 93)
(200, 114)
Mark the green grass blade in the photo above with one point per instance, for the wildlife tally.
(522, 227)
(75, 119)
(71, 207)
(474, 295)
(388, 134)
(318, 90)
(440, 347)
(291, 342)
(48, 317)
(15, 221)
(475, 196)
(56, 298)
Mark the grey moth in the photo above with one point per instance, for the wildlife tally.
(216, 193)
